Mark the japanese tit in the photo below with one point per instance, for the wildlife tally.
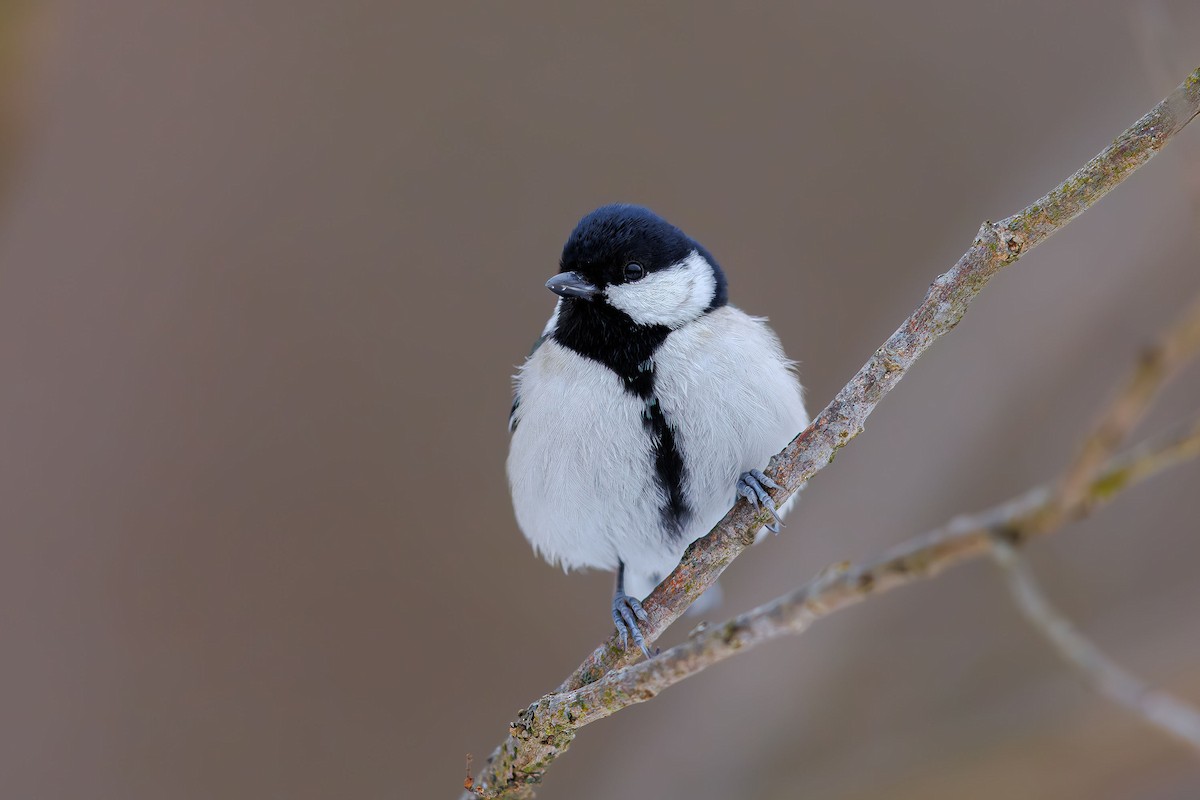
(647, 407)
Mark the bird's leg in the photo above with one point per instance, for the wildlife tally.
(753, 486)
(626, 611)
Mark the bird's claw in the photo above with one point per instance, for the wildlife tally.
(753, 486)
(626, 611)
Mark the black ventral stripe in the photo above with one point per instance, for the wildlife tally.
(668, 468)
(606, 335)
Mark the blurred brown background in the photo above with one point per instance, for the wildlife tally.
(267, 269)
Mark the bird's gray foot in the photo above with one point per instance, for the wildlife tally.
(753, 486)
(626, 611)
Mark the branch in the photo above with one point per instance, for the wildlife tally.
(523, 757)
(545, 722)
(1156, 707)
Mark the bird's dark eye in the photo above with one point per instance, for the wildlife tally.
(634, 271)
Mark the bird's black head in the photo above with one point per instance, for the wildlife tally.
(628, 279)
(631, 261)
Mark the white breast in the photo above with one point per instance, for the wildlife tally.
(580, 464)
(734, 401)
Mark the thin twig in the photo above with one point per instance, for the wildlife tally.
(522, 759)
(1158, 364)
(1154, 706)
(1177, 345)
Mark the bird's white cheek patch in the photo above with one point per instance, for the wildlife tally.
(672, 296)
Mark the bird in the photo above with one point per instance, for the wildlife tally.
(648, 406)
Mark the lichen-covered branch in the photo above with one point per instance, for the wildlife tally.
(1156, 707)
(544, 723)
(525, 754)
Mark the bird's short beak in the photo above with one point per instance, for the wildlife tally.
(571, 284)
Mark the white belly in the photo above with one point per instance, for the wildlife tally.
(580, 465)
